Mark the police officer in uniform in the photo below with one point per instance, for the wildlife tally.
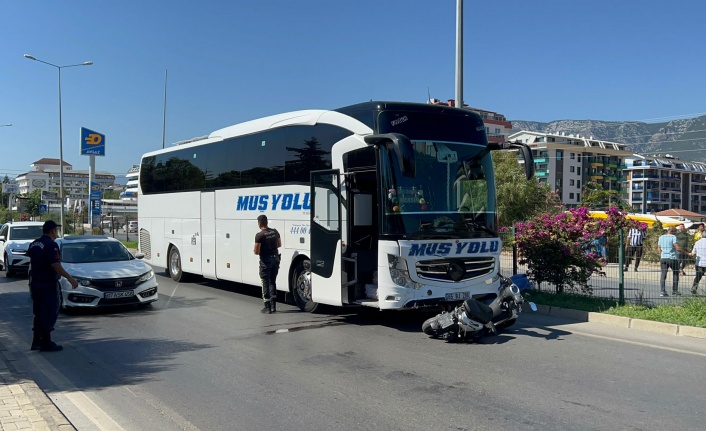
(46, 269)
(267, 241)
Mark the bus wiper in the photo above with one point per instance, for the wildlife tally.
(475, 226)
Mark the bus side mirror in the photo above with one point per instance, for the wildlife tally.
(403, 148)
(524, 149)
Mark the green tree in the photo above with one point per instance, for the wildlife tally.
(34, 199)
(595, 196)
(557, 249)
(519, 198)
(111, 194)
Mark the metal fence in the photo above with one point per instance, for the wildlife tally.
(640, 284)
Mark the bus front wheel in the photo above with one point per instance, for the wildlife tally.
(174, 269)
(301, 286)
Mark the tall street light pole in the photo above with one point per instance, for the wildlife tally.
(459, 53)
(61, 143)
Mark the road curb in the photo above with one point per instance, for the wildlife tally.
(624, 322)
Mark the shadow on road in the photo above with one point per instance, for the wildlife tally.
(124, 360)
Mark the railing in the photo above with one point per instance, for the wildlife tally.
(639, 283)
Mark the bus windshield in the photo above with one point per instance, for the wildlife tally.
(452, 194)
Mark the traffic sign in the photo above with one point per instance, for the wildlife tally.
(10, 188)
(48, 195)
(42, 208)
(92, 143)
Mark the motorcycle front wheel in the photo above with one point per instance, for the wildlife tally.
(426, 327)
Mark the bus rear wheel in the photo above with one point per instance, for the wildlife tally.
(174, 263)
(301, 286)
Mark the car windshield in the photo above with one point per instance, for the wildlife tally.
(94, 251)
(25, 232)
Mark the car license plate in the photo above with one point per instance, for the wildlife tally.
(455, 296)
(121, 294)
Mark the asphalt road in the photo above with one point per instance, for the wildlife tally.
(203, 357)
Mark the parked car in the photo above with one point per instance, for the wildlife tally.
(107, 273)
(15, 238)
(131, 226)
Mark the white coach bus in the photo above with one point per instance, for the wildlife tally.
(383, 204)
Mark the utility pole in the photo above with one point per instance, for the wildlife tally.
(459, 53)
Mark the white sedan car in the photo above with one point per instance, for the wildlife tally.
(14, 240)
(107, 273)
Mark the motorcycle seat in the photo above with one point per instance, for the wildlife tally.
(478, 311)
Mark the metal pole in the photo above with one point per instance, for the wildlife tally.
(621, 286)
(459, 53)
(514, 252)
(91, 180)
(61, 163)
(164, 121)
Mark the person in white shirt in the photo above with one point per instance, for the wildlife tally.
(633, 247)
(699, 251)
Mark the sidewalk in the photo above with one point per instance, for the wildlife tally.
(23, 405)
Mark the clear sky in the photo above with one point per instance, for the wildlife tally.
(233, 61)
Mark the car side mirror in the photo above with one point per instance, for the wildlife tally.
(139, 255)
(2, 238)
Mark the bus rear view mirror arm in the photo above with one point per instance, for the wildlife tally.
(524, 150)
(402, 147)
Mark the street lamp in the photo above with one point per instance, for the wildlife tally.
(61, 144)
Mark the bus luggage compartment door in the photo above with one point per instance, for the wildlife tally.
(208, 235)
(326, 237)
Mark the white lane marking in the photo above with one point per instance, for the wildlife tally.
(171, 296)
(641, 344)
(281, 331)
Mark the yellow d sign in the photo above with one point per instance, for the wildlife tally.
(94, 139)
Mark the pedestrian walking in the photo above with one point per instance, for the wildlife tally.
(699, 232)
(267, 242)
(633, 245)
(699, 251)
(668, 247)
(45, 272)
(683, 240)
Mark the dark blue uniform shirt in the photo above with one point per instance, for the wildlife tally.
(43, 252)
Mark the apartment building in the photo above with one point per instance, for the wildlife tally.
(567, 162)
(130, 192)
(661, 182)
(45, 176)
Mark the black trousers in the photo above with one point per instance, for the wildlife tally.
(269, 267)
(667, 265)
(633, 252)
(45, 305)
(699, 273)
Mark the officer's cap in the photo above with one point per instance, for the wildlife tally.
(49, 226)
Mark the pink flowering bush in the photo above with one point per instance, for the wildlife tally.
(557, 248)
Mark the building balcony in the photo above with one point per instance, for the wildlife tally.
(540, 173)
(540, 160)
(596, 177)
(596, 164)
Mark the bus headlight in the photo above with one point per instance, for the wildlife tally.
(400, 273)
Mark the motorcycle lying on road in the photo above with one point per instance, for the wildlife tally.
(474, 318)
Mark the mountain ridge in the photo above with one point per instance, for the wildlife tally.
(682, 138)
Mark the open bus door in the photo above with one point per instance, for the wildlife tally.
(325, 233)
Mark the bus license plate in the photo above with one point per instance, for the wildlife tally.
(455, 296)
(121, 294)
